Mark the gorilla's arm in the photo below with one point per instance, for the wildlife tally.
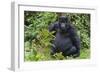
(53, 27)
(75, 38)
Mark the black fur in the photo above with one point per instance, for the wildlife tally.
(66, 39)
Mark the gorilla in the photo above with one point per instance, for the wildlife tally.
(66, 39)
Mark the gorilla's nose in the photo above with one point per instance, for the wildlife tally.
(63, 25)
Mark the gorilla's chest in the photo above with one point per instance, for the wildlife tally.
(63, 41)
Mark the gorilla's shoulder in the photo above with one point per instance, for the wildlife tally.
(56, 23)
(71, 26)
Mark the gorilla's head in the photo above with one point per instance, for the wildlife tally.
(63, 23)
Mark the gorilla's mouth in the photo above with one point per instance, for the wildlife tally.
(63, 26)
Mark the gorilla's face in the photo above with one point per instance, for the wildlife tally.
(63, 26)
(63, 23)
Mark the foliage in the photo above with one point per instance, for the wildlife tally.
(82, 24)
(37, 37)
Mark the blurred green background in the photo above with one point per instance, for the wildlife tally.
(37, 37)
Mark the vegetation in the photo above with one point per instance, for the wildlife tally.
(37, 37)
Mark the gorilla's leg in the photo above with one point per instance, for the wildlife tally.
(73, 51)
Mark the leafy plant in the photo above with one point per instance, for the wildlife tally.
(37, 37)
